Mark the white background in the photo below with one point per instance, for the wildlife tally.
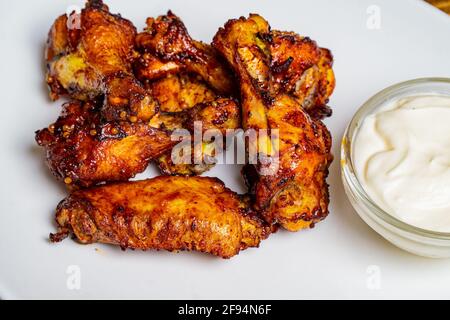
(331, 261)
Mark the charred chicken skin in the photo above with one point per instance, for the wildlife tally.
(90, 55)
(165, 44)
(295, 195)
(163, 213)
(82, 150)
(302, 69)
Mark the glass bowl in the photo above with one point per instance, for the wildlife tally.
(405, 236)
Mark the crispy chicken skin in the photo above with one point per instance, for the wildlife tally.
(168, 213)
(90, 56)
(166, 44)
(296, 195)
(82, 150)
(148, 67)
(220, 114)
(178, 92)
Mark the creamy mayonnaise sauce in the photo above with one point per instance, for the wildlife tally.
(402, 158)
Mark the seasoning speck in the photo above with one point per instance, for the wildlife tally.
(67, 180)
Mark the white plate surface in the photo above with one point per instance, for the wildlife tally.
(341, 258)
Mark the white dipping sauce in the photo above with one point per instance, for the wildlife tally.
(401, 155)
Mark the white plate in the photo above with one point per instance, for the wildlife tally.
(340, 258)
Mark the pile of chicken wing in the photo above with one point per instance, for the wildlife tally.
(127, 94)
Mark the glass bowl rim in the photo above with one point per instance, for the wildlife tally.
(347, 162)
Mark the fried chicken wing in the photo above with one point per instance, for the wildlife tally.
(295, 193)
(166, 44)
(92, 57)
(299, 67)
(82, 150)
(168, 213)
(282, 62)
